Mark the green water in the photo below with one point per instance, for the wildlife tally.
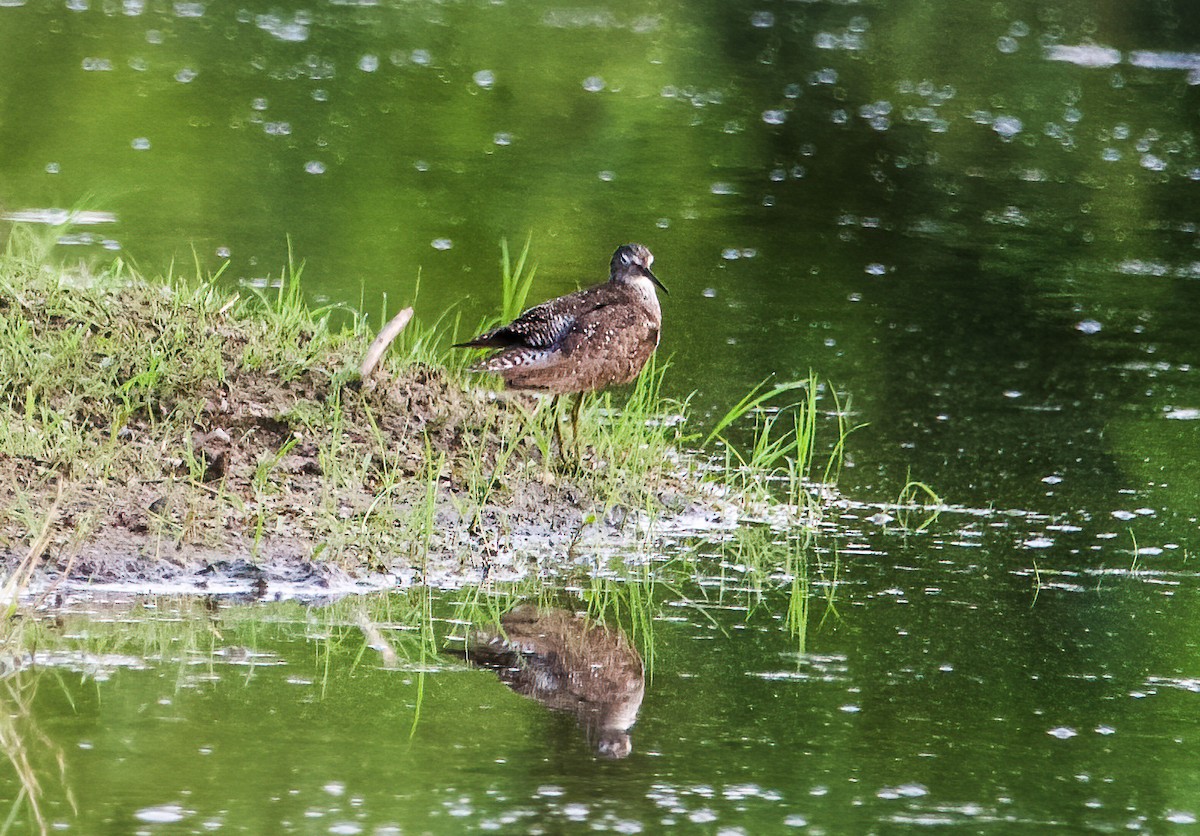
(976, 220)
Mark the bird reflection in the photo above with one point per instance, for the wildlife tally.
(568, 665)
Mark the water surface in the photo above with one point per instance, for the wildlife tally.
(976, 221)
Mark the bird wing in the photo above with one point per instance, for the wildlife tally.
(539, 327)
(588, 329)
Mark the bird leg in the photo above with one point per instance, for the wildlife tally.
(554, 416)
(575, 424)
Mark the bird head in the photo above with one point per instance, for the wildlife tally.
(632, 261)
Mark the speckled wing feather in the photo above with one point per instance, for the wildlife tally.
(539, 327)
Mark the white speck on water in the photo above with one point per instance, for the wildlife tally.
(1089, 326)
(164, 814)
(1105, 730)
(277, 128)
(1110, 155)
(320, 95)
(485, 79)
(1052, 479)
(1008, 45)
(709, 293)
(260, 104)
(1152, 163)
(1007, 126)
(223, 252)
(839, 116)
(875, 269)
(502, 138)
(702, 816)
(53, 168)
(722, 188)
(849, 708)
(762, 20)
(576, 812)
(607, 175)
(913, 790)
(731, 253)
(593, 84)
(1086, 55)
(186, 75)
(792, 91)
(420, 57)
(1150, 551)
(1038, 543)
(1123, 515)
(549, 791)
(314, 167)
(141, 143)
(420, 165)
(348, 828)
(292, 31)
(1018, 29)
(335, 788)
(441, 243)
(774, 117)
(1062, 732)
(795, 820)
(1013, 394)
(663, 223)
(96, 65)
(1156, 60)
(368, 63)
(1182, 413)
(1181, 817)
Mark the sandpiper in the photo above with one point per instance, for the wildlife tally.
(584, 341)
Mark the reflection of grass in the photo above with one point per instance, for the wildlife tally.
(19, 736)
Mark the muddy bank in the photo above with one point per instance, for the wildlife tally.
(178, 438)
(248, 497)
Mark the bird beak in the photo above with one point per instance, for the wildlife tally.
(654, 279)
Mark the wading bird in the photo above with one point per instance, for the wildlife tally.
(582, 342)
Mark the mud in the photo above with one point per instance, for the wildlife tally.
(302, 488)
